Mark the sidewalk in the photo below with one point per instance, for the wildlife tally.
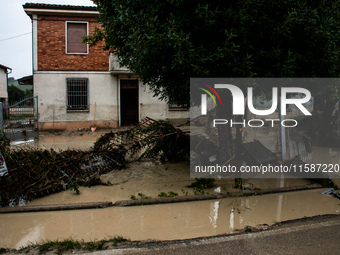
(316, 235)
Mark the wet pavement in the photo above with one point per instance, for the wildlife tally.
(317, 235)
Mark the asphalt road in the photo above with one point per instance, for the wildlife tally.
(317, 235)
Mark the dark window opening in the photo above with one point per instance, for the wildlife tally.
(129, 102)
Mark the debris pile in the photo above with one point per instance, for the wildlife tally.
(150, 139)
(35, 172)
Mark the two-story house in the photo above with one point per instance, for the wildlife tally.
(79, 86)
(4, 71)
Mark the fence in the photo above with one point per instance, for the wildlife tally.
(20, 120)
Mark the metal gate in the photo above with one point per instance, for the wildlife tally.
(20, 120)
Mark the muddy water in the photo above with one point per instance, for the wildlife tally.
(70, 140)
(328, 155)
(163, 222)
(150, 179)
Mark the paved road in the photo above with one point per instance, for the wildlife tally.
(311, 236)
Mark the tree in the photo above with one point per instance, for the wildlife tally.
(167, 42)
(15, 94)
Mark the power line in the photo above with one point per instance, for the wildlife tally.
(9, 38)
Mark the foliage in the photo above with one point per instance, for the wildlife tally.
(153, 139)
(161, 139)
(202, 183)
(35, 172)
(167, 42)
(184, 192)
(75, 187)
(140, 195)
(59, 246)
(198, 191)
(158, 138)
(117, 239)
(248, 229)
(3, 250)
(69, 244)
(169, 194)
(15, 94)
(94, 246)
(238, 183)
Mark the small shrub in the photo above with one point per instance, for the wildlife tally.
(169, 194)
(143, 196)
(248, 229)
(202, 183)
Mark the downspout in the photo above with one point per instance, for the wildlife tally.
(7, 73)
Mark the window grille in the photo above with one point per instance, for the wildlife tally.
(176, 107)
(77, 94)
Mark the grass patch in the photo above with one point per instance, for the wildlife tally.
(3, 250)
(140, 195)
(169, 194)
(94, 246)
(117, 239)
(200, 184)
(69, 245)
(59, 246)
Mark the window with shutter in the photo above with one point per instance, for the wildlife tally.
(75, 31)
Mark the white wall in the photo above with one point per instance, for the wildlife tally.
(51, 90)
(156, 109)
(3, 83)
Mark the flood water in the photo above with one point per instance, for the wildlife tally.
(163, 221)
(79, 140)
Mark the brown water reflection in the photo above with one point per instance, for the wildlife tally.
(163, 222)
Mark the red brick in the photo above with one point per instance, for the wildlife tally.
(52, 51)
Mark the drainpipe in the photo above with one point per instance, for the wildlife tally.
(7, 71)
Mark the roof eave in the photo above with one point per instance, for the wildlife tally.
(32, 11)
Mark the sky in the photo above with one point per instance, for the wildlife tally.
(16, 34)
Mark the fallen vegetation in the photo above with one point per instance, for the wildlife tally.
(150, 139)
(34, 172)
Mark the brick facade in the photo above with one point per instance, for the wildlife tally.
(52, 47)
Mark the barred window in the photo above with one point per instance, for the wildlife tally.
(176, 107)
(77, 94)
